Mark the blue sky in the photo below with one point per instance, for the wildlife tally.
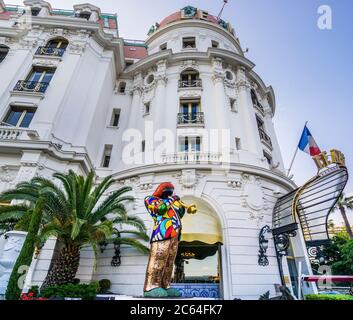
(311, 70)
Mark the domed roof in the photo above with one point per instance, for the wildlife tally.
(195, 14)
(190, 12)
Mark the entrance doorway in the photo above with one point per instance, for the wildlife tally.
(198, 264)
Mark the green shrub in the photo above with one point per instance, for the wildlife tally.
(104, 285)
(83, 291)
(328, 297)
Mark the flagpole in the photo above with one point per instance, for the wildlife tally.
(295, 155)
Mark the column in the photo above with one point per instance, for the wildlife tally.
(220, 112)
(250, 132)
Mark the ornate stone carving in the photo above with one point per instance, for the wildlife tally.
(236, 184)
(7, 174)
(76, 47)
(189, 64)
(242, 82)
(188, 178)
(188, 12)
(53, 63)
(218, 71)
(253, 197)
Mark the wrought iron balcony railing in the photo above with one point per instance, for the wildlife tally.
(196, 118)
(31, 86)
(190, 84)
(259, 107)
(48, 51)
(265, 138)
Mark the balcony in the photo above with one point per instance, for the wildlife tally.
(31, 86)
(8, 132)
(191, 119)
(192, 157)
(259, 107)
(48, 51)
(187, 84)
(265, 139)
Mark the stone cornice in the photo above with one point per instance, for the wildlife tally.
(51, 149)
(276, 177)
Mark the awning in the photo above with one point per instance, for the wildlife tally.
(312, 204)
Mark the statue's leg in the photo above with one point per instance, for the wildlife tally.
(156, 266)
(168, 271)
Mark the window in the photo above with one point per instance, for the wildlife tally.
(4, 50)
(233, 104)
(215, 44)
(163, 47)
(57, 43)
(35, 11)
(143, 145)
(189, 77)
(39, 74)
(189, 43)
(229, 75)
(122, 87)
(203, 15)
(107, 155)
(237, 144)
(114, 122)
(190, 144)
(150, 79)
(19, 117)
(260, 124)
(84, 15)
(147, 107)
(189, 111)
(268, 158)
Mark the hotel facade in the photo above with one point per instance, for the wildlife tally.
(76, 95)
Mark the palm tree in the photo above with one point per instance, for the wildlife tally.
(342, 204)
(77, 215)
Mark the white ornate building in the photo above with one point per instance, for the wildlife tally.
(71, 87)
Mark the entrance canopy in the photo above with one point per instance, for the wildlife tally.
(202, 227)
(311, 204)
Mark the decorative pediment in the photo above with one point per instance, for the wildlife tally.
(39, 4)
(87, 9)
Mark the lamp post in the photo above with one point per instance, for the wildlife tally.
(263, 244)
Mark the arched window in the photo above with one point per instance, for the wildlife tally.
(4, 50)
(190, 78)
(54, 47)
(122, 87)
(58, 43)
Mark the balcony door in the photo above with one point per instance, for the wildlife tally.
(41, 75)
(190, 110)
(19, 117)
(190, 144)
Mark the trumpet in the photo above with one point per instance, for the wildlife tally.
(191, 209)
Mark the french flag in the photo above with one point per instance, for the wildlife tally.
(308, 144)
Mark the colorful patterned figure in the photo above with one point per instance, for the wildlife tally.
(167, 210)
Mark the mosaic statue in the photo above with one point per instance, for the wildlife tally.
(167, 210)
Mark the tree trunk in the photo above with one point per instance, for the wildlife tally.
(64, 268)
(346, 221)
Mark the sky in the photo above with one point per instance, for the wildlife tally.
(310, 69)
